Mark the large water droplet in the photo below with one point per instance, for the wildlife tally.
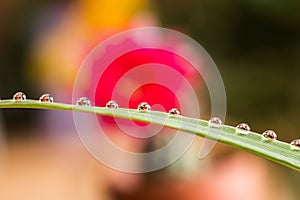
(215, 122)
(83, 101)
(243, 128)
(19, 96)
(295, 144)
(174, 112)
(46, 98)
(269, 135)
(144, 107)
(112, 104)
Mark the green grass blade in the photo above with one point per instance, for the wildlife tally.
(277, 151)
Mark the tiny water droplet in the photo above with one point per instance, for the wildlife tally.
(112, 104)
(144, 107)
(269, 135)
(19, 96)
(243, 128)
(215, 122)
(295, 144)
(83, 101)
(174, 112)
(46, 98)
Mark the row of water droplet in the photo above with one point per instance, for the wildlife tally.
(244, 129)
(83, 101)
(45, 98)
(214, 122)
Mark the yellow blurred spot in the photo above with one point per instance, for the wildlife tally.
(105, 13)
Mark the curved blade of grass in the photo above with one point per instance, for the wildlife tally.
(277, 151)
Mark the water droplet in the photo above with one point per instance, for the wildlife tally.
(112, 104)
(19, 96)
(174, 112)
(83, 101)
(269, 135)
(295, 144)
(215, 122)
(243, 128)
(144, 107)
(46, 98)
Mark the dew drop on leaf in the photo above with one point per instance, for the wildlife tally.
(295, 144)
(46, 98)
(269, 135)
(19, 96)
(215, 122)
(112, 104)
(144, 107)
(174, 112)
(83, 101)
(242, 128)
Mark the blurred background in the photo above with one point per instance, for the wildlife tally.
(255, 44)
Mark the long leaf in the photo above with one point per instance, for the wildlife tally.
(274, 150)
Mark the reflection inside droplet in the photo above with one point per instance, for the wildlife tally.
(269, 135)
(112, 104)
(144, 107)
(295, 144)
(83, 101)
(215, 122)
(19, 96)
(242, 128)
(46, 98)
(174, 112)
